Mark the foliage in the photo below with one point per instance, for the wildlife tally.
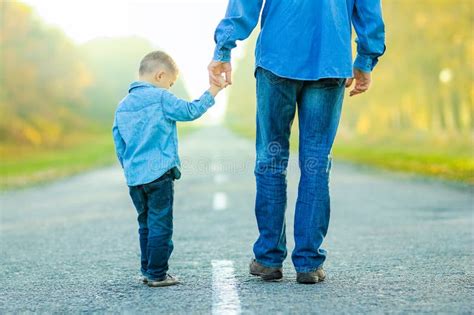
(114, 65)
(423, 85)
(57, 99)
(42, 80)
(51, 88)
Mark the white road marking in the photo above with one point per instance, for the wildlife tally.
(220, 201)
(220, 178)
(225, 298)
(216, 166)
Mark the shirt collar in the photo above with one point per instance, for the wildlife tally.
(138, 84)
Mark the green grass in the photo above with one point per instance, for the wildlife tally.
(442, 163)
(447, 160)
(23, 166)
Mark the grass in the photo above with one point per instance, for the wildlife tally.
(441, 162)
(447, 160)
(23, 166)
(26, 166)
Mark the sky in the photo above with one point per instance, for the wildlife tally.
(183, 28)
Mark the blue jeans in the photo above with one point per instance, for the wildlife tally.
(319, 106)
(154, 204)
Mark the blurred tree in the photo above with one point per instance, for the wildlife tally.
(50, 88)
(114, 63)
(241, 111)
(42, 79)
(423, 85)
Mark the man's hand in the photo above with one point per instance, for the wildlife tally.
(362, 82)
(216, 69)
(215, 89)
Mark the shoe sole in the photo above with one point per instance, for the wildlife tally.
(268, 278)
(309, 281)
(160, 285)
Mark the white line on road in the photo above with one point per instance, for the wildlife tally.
(220, 178)
(220, 201)
(216, 166)
(225, 299)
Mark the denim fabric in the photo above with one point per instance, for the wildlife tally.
(319, 106)
(144, 130)
(305, 39)
(154, 205)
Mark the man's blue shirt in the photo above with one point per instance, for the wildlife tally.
(144, 130)
(305, 39)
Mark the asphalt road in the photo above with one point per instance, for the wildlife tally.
(396, 243)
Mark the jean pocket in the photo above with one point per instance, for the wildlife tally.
(330, 82)
(270, 76)
(160, 194)
(159, 182)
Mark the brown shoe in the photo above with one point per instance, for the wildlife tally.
(311, 277)
(166, 282)
(266, 273)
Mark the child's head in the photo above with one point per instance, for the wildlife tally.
(159, 69)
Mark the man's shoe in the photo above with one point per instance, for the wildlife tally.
(144, 280)
(166, 282)
(266, 273)
(311, 277)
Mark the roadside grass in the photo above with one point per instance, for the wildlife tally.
(449, 160)
(451, 163)
(23, 166)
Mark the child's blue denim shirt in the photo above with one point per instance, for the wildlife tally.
(145, 132)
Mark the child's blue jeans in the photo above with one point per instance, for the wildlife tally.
(154, 204)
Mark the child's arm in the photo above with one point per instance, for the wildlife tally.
(119, 143)
(180, 110)
(214, 89)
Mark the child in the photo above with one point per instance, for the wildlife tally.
(145, 139)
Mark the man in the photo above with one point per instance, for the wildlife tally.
(303, 57)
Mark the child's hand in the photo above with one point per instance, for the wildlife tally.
(215, 89)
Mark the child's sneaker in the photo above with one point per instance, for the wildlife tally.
(167, 281)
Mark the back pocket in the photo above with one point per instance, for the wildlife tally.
(330, 82)
(270, 76)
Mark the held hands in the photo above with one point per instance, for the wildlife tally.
(216, 70)
(362, 82)
(216, 88)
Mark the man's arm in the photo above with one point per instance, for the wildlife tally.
(240, 19)
(370, 29)
(119, 143)
(178, 109)
(369, 26)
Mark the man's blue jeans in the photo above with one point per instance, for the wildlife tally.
(319, 106)
(154, 204)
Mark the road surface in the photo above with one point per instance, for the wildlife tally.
(396, 243)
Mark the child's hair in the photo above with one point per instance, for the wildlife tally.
(155, 59)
